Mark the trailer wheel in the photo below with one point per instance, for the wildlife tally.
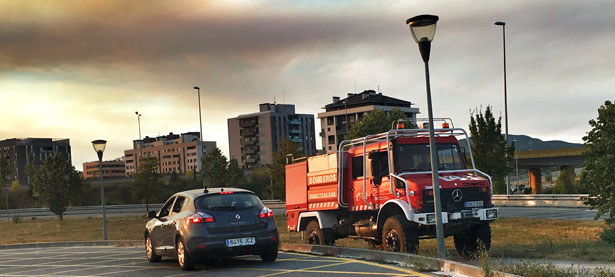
(399, 236)
(471, 242)
(315, 235)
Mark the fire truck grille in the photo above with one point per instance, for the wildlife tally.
(455, 201)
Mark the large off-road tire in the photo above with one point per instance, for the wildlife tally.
(270, 254)
(183, 257)
(399, 235)
(149, 250)
(474, 240)
(315, 235)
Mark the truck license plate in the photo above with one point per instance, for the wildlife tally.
(240, 242)
(473, 204)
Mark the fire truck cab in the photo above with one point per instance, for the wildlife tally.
(379, 188)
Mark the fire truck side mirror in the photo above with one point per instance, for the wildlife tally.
(376, 168)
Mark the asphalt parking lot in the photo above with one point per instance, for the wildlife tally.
(131, 261)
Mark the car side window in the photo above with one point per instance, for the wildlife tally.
(164, 211)
(179, 203)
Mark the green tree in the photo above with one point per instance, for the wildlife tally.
(147, 183)
(491, 154)
(277, 170)
(55, 183)
(377, 121)
(234, 174)
(597, 177)
(565, 182)
(5, 171)
(214, 168)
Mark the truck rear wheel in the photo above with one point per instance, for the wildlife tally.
(471, 242)
(399, 236)
(315, 235)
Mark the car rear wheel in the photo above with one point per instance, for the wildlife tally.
(315, 235)
(270, 254)
(149, 251)
(183, 257)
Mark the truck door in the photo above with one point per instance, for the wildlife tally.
(379, 177)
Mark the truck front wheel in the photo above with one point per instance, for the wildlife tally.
(471, 242)
(399, 236)
(315, 235)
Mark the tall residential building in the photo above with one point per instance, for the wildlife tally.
(179, 153)
(254, 137)
(334, 127)
(111, 169)
(17, 151)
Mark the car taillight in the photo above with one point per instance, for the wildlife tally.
(199, 217)
(265, 213)
(226, 192)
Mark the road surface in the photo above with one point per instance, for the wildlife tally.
(131, 261)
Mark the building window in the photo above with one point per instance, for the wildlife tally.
(330, 120)
(331, 140)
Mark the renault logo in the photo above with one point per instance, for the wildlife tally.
(456, 195)
(237, 216)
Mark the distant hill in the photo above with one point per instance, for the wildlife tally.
(529, 143)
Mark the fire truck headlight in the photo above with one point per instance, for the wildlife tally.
(431, 218)
(491, 214)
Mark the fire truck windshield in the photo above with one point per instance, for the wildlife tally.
(415, 157)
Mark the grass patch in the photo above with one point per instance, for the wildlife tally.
(550, 270)
(71, 229)
(511, 237)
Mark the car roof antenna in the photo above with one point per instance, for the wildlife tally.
(221, 189)
(206, 191)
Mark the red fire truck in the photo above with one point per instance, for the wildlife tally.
(379, 188)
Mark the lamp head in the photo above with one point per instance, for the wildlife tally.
(195, 87)
(500, 23)
(99, 147)
(423, 27)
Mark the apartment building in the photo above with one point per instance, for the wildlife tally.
(253, 138)
(111, 169)
(341, 114)
(17, 151)
(175, 153)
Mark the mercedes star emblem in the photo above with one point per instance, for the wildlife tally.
(237, 216)
(456, 195)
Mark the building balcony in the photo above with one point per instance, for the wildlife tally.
(252, 159)
(249, 132)
(248, 123)
(248, 141)
(296, 139)
(294, 131)
(247, 151)
(294, 122)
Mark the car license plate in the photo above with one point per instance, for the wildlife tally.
(240, 242)
(473, 204)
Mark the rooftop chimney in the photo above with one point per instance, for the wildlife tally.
(335, 99)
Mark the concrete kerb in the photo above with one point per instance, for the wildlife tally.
(74, 244)
(403, 259)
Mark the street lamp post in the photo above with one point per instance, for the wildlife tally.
(200, 143)
(140, 156)
(503, 24)
(198, 90)
(423, 28)
(99, 147)
(517, 165)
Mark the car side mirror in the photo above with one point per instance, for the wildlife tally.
(151, 214)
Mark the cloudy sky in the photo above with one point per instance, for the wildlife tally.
(80, 69)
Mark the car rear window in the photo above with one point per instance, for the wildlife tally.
(227, 202)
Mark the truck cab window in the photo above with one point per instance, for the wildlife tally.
(357, 167)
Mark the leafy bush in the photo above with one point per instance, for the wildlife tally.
(608, 235)
(16, 219)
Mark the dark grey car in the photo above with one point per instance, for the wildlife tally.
(210, 224)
